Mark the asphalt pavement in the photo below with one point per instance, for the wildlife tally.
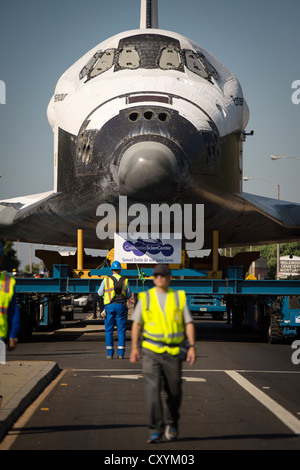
(21, 382)
(240, 394)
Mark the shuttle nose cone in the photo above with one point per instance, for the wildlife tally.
(148, 171)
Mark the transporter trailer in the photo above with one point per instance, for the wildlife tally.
(271, 308)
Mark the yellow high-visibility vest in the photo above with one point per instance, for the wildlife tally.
(163, 331)
(7, 284)
(109, 288)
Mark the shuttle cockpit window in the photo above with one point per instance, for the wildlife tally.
(88, 66)
(169, 59)
(129, 58)
(197, 63)
(98, 64)
(194, 64)
(162, 54)
(208, 67)
(104, 63)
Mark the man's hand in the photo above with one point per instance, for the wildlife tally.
(191, 336)
(135, 356)
(12, 343)
(191, 356)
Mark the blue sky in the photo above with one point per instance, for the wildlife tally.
(258, 41)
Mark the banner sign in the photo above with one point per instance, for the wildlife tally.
(147, 251)
(290, 265)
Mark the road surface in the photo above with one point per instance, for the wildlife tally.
(240, 394)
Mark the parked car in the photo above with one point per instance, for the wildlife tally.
(84, 302)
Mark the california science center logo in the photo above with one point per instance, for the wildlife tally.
(152, 247)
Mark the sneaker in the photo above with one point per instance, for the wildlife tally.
(109, 357)
(171, 433)
(155, 437)
(120, 357)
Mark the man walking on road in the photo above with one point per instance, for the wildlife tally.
(9, 312)
(115, 290)
(165, 318)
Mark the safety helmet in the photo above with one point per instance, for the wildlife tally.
(1, 250)
(116, 265)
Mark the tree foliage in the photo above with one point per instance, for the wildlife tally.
(10, 260)
(35, 269)
(269, 252)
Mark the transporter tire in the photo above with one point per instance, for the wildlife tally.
(69, 316)
(275, 331)
(56, 316)
(26, 324)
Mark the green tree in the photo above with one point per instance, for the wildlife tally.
(270, 253)
(10, 261)
(35, 268)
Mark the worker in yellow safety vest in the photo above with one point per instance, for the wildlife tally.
(115, 290)
(9, 312)
(163, 315)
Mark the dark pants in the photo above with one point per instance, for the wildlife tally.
(158, 368)
(97, 301)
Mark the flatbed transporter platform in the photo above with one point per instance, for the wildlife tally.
(270, 306)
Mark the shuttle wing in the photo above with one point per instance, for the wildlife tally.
(40, 218)
(15, 208)
(285, 213)
(255, 220)
(241, 219)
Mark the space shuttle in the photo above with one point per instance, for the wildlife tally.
(151, 115)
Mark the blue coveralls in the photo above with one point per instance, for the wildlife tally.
(116, 315)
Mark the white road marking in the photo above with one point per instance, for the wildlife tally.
(121, 376)
(137, 377)
(287, 418)
(193, 379)
(105, 370)
(196, 370)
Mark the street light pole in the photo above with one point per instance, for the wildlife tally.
(278, 157)
(277, 186)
